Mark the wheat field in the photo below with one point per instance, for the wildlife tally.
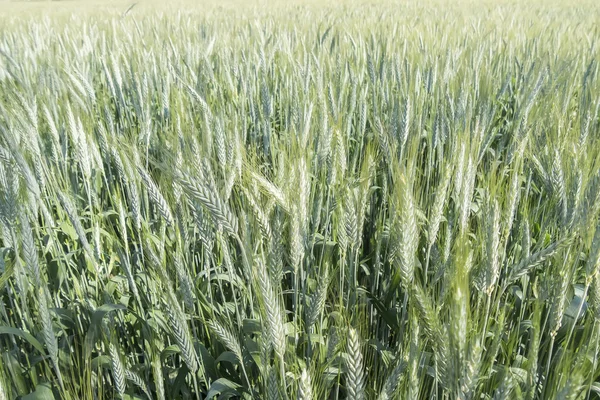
(300, 200)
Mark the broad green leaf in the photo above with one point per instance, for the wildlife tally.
(222, 387)
(42, 392)
(25, 335)
(97, 318)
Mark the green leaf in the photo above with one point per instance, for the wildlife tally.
(6, 269)
(132, 397)
(101, 361)
(97, 318)
(169, 351)
(223, 387)
(251, 326)
(25, 335)
(388, 316)
(42, 392)
(229, 357)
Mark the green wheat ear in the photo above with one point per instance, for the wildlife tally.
(354, 365)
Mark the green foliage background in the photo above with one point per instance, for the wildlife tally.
(363, 201)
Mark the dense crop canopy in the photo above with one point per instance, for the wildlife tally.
(362, 201)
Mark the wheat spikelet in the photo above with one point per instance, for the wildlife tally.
(559, 186)
(331, 102)
(592, 266)
(413, 359)
(324, 139)
(385, 146)
(272, 386)
(134, 199)
(350, 220)
(527, 264)
(260, 215)
(472, 367)
(53, 132)
(77, 84)
(185, 283)
(362, 120)
(272, 310)
(87, 86)
(559, 288)
(5, 155)
(156, 196)
(117, 369)
(342, 234)
(572, 388)
(371, 68)
(265, 98)
(222, 216)
(3, 395)
(201, 102)
(305, 386)
(139, 382)
(355, 379)
(275, 258)
(227, 338)
(333, 341)
(409, 237)
(182, 335)
(97, 240)
(592, 269)
(116, 73)
(533, 94)
(9, 196)
(340, 156)
(506, 388)
(467, 193)
(229, 183)
(574, 213)
(123, 223)
(30, 110)
(526, 246)
(71, 213)
(296, 241)
(595, 296)
(390, 385)
(428, 314)
(158, 379)
(220, 144)
(513, 199)
(30, 251)
(30, 181)
(405, 125)
(272, 190)
(317, 303)
(82, 147)
(459, 171)
(433, 329)
(492, 249)
(438, 206)
(205, 228)
(119, 165)
(126, 266)
(303, 195)
(48, 333)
